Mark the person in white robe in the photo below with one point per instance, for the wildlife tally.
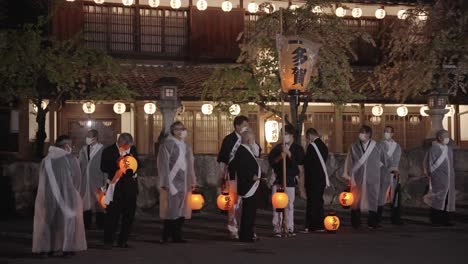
(177, 180)
(390, 177)
(362, 168)
(92, 178)
(438, 166)
(58, 210)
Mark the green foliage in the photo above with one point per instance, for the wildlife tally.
(35, 66)
(428, 55)
(256, 77)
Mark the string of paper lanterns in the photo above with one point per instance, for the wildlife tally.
(253, 8)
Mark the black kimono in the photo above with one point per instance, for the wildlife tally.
(245, 166)
(125, 196)
(292, 163)
(315, 183)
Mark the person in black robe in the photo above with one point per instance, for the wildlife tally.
(294, 154)
(315, 181)
(123, 202)
(245, 167)
(227, 152)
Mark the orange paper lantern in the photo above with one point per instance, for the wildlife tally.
(225, 201)
(331, 223)
(101, 196)
(297, 57)
(280, 200)
(346, 199)
(128, 162)
(196, 201)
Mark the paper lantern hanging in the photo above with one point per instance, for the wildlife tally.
(279, 200)
(402, 111)
(402, 14)
(150, 108)
(356, 12)
(225, 201)
(127, 2)
(128, 163)
(340, 12)
(99, 2)
(226, 6)
(422, 16)
(175, 4)
(196, 201)
(207, 109)
(317, 10)
(272, 131)
(252, 7)
(331, 223)
(202, 5)
(346, 199)
(380, 13)
(154, 3)
(119, 108)
(89, 107)
(293, 7)
(235, 109)
(423, 110)
(377, 110)
(297, 57)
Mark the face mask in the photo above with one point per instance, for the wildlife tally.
(183, 134)
(68, 149)
(243, 129)
(387, 136)
(287, 139)
(363, 137)
(446, 141)
(89, 141)
(124, 147)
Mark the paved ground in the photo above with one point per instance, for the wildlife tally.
(416, 242)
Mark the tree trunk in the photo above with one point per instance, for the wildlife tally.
(41, 132)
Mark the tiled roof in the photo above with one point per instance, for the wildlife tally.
(142, 79)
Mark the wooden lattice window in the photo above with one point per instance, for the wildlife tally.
(377, 128)
(398, 124)
(151, 28)
(121, 28)
(324, 123)
(351, 127)
(96, 26)
(206, 134)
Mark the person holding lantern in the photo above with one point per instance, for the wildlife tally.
(227, 152)
(294, 155)
(389, 183)
(92, 178)
(177, 179)
(438, 167)
(315, 180)
(363, 169)
(122, 190)
(58, 209)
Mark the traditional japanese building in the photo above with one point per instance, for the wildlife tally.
(186, 40)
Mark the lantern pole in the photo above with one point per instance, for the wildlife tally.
(283, 130)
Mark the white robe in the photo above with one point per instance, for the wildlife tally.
(92, 177)
(392, 152)
(365, 176)
(442, 177)
(58, 210)
(176, 172)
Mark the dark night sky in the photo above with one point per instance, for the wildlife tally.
(18, 12)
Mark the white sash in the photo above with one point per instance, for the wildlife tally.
(392, 148)
(364, 158)
(324, 167)
(254, 187)
(234, 149)
(180, 164)
(69, 213)
(440, 160)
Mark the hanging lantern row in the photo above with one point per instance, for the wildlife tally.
(253, 7)
(119, 108)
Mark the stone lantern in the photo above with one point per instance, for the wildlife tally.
(168, 102)
(436, 103)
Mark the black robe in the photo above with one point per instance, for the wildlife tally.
(110, 155)
(292, 163)
(245, 166)
(228, 144)
(313, 171)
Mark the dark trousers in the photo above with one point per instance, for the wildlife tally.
(247, 224)
(395, 209)
(440, 217)
(314, 209)
(88, 219)
(121, 208)
(172, 228)
(372, 218)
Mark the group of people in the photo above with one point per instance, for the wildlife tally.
(67, 197)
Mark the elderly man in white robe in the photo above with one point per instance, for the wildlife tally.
(177, 179)
(92, 178)
(390, 177)
(58, 210)
(438, 166)
(362, 168)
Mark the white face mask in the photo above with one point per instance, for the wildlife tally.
(287, 139)
(387, 135)
(68, 149)
(363, 137)
(89, 141)
(183, 134)
(243, 129)
(446, 141)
